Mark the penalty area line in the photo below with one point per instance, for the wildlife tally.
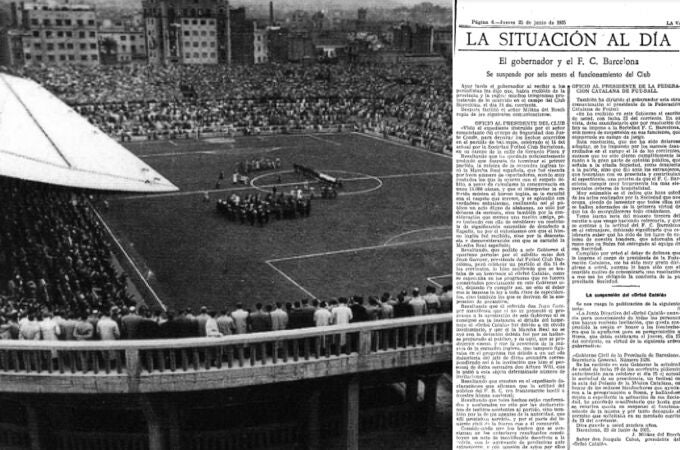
(290, 279)
(360, 249)
(439, 285)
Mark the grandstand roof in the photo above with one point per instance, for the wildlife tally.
(42, 139)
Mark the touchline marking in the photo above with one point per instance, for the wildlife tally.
(264, 186)
(283, 274)
(323, 140)
(431, 279)
(393, 238)
(360, 249)
(211, 152)
(132, 263)
(421, 150)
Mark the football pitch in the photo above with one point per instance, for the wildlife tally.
(389, 229)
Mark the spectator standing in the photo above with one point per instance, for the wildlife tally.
(386, 308)
(10, 329)
(240, 317)
(225, 324)
(260, 320)
(296, 317)
(49, 330)
(307, 313)
(202, 319)
(342, 315)
(130, 324)
(108, 330)
(211, 328)
(359, 313)
(372, 309)
(83, 330)
(30, 328)
(279, 318)
(322, 316)
(184, 326)
(402, 308)
(431, 300)
(446, 299)
(171, 328)
(93, 319)
(417, 303)
(67, 327)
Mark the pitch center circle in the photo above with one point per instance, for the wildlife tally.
(354, 176)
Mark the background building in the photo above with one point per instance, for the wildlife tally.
(187, 31)
(277, 44)
(260, 45)
(413, 38)
(442, 41)
(121, 44)
(11, 47)
(53, 33)
(242, 37)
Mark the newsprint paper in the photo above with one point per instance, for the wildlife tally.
(567, 216)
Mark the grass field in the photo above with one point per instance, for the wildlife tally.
(389, 229)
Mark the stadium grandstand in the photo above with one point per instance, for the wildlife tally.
(109, 237)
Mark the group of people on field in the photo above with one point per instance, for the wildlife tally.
(258, 209)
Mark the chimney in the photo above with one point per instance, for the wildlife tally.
(271, 13)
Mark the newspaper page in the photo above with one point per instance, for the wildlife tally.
(567, 215)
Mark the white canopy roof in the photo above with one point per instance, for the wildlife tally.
(42, 139)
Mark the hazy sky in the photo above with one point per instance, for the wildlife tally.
(348, 4)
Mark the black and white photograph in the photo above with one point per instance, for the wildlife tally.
(226, 224)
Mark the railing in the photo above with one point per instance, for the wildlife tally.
(258, 358)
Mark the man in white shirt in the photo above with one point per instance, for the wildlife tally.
(322, 316)
(341, 315)
(29, 328)
(417, 303)
(211, 328)
(49, 329)
(279, 318)
(108, 330)
(431, 300)
(240, 317)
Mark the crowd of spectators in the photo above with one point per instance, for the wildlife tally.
(145, 323)
(54, 253)
(408, 102)
(61, 281)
